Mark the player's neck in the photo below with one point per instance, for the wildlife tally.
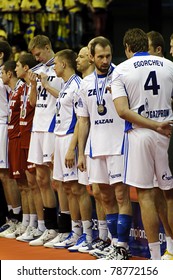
(67, 74)
(88, 71)
(13, 82)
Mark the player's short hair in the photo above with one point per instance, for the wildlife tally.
(69, 56)
(156, 40)
(10, 65)
(27, 59)
(39, 41)
(136, 39)
(6, 49)
(102, 41)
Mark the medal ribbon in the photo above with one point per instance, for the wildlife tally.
(58, 104)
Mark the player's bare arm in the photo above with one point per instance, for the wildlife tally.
(83, 126)
(122, 107)
(70, 155)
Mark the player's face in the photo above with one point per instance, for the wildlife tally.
(171, 47)
(82, 60)
(58, 66)
(20, 72)
(4, 76)
(41, 55)
(102, 59)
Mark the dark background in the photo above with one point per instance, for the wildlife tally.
(145, 14)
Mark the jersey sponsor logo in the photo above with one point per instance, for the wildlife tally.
(92, 92)
(148, 62)
(41, 105)
(165, 177)
(104, 121)
(157, 113)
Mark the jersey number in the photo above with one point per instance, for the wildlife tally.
(43, 93)
(151, 83)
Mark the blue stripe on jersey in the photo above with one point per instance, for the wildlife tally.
(73, 123)
(50, 62)
(128, 126)
(91, 153)
(52, 125)
(126, 149)
(36, 67)
(77, 80)
(141, 54)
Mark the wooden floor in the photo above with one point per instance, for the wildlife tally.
(11, 249)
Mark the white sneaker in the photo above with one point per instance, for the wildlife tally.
(49, 234)
(11, 229)
(80, 242)
(69, 241)
(19, 231)
(59, 238)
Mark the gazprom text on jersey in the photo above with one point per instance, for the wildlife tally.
(148, 62)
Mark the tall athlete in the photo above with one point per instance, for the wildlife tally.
(24, 63)
(11, 190)
(65, 156)
(43, 98)
(141, 89)
(98, 119)
(85, 66)
(156, 47)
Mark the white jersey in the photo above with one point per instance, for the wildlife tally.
(106, 127)
(141, 79)
(4, 107)
(67, 106)
(44, 117)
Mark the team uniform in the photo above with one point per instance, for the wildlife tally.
(14, 154)
(65, 124)
(147, 82)
(3, 125)
(103, 149)
(42, 136)
(26, 118)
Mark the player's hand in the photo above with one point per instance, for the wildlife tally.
(165, 128)
(32, 78)
(70, 158)
(44, 80)
(82, 163)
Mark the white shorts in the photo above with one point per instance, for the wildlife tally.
(60, 172)
(3, 146)
(41, 147)
(146, 159)
(105, 169)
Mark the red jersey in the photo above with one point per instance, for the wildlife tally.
(14, 111)
(26, 116)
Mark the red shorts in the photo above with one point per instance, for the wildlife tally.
(14, 155)
(24, 161)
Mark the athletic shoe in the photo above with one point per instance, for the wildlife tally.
(68, 242)
(80, 242)
(49, 234)
(100, 247)
(59, 238)
(5, 226)
(90, 246)
(29, 234)
(104, 252)
(119, 253)
(9, 230)
(19, 231)
(167, 256)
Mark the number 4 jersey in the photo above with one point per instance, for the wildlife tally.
(147, 81)
(45, 109)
